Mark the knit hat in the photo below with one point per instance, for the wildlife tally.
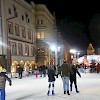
(2, 69)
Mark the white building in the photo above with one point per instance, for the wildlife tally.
(24, 29)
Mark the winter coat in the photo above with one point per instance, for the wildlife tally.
(51, 74)
(65, 70)
(98, 67)
(3, 78)
(20, 69)
(75, 71)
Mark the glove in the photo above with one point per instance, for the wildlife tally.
(57, 76)
(10, 83)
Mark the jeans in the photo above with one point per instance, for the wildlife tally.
(65, 83)
(2, 94)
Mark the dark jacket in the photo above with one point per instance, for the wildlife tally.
(51, 74)
(20, 69)
(3, 78)
(75, 71)
(65, 70)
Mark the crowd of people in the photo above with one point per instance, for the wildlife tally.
(67, 72)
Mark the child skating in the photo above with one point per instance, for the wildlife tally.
(51, 80)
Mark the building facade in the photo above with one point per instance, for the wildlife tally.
(18, 32)
(46, 34)
(27, 32)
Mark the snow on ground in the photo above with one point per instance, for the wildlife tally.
(32, 88)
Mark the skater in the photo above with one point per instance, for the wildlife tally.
(36, 74)
(65, 71)
(20, 71)
(3, 78)
(73, 78)
(51, 79)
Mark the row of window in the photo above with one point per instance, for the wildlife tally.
(17, 30)
(40, 22)
(23, 16)
(19, 49)
(16, 14)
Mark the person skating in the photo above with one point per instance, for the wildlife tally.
(65, 71)
(73, 78)
(20, 71)
(3, 78)
(51, 79)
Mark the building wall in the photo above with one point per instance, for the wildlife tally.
(18, 45)
(45, 23)
(24, 19)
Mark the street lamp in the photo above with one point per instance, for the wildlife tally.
(54, 49)
(73, 56)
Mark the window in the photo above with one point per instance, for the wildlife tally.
(43, 49)
(28, 20)
(41, 21)
(26, 50)
(23, 32)
(17, 29)
(9, 10)
(16, 14)
(10, 27)
(37, 22)
(38, 34)
(14, 48)
(20, 49)
(29, 34)
(42, 35)
(32, 51)
(22, 17)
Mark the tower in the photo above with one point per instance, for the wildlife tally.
(90, 49)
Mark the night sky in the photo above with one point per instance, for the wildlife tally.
(77, 20)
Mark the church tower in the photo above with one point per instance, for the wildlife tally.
(90, 49)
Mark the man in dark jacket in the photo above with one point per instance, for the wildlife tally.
(3, 78)
(51, 79)
(65, 71)
(20, 71)
(73, 78)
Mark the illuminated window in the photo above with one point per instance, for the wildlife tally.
(38, 34)
(26, 50)
(42, 34)
(23, 32)
(17, 30)
(29, 34)
(38, 49)
(10, 27)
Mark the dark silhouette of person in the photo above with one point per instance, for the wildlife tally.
(65, 71)
(44, 70)
(73, 78)
(3, 78)
(20, 71)
(51, 79)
